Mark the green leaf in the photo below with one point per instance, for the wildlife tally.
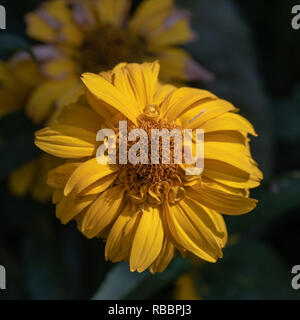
(274, 199)
(120, 283)
(249, 270)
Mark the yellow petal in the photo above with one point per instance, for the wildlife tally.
(220, 201)
(100, 185)
(220, 226)
(113, 250)
(230, 152)
(71, 95)
(57, 195)
(223, 187)
(174, 34)
(31, 178)
(106, 92)
(58, 177)
(162, 93)
(150, 15)
(108, 75)
(213, 223)
(178, 64)
(229, 121)
(58, 15)
(25, 70)
(69, 207)
(229, 136)
(229, 175)
(182, 100)
(42, 100)
(148, 240)
(87, 174)
(66, 141)
(18, 77)
(38, 29)
(80, 115)
(172, 61)
(104, 110)
(204, 224)
(187, 234)
(129, 233)
(40, 191)
(165, 256)
(59, 69)
(21, 179)
(139, 81)
(103, 211)
(112, 12)
(196, 116)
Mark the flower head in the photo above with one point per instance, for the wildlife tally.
(94, 35)
(145, 212)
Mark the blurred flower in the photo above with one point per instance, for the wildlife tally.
(144, 211)
(18, 79)
(31, 178)
(185, 288)
(94, 35)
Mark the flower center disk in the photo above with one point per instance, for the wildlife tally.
(107, 46)
(152, 182)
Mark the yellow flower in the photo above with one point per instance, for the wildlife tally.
(145, 212)
(17, 79)
(94, 35)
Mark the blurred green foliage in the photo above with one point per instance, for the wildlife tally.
(253, 51)
(249, 270)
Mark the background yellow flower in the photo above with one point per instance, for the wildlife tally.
(95, 35)
(18, 77)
